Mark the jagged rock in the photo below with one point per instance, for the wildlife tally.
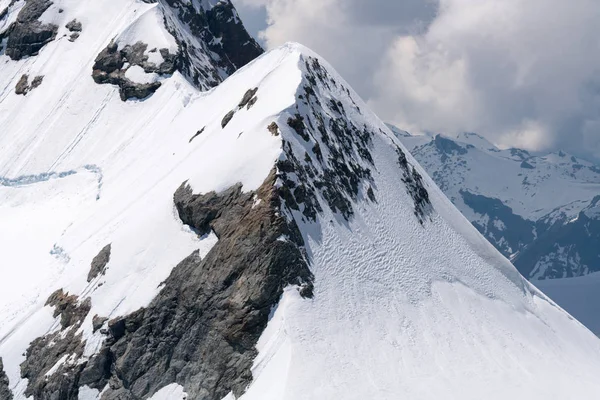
(109, 67)
(273, 128)
(227, 118)
(202, 328)
(297, 124)
(27, 35)
(218, 34)
(68, 307)
(197, 134)
(99, 263)
(51, 363)
(98, 322)
(132, 90)
(37, 81)
(74, 36)
(22, 85)
(74, 26)
(414, 186)
(43, 355)
(248, 96)
(5, 393)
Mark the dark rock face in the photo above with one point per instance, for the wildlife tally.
(98, 322)
(74, 26)
(273, 128)
(5, 393)
(45, 353)
(201, 330)
(219, 44)
(227, 118)
(23, 87)
(197, 134)
(248, 100)
(68, 307)
(26, 36)
(109, 67)
(99, 263)
(337, 169)
(414, 186)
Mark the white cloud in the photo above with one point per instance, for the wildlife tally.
(521, 72)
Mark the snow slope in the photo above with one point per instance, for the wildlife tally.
(410, 301)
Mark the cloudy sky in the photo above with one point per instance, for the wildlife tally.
(520, 72)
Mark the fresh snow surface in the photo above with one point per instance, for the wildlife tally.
(170, 392)
(401, 310)
(135, 73)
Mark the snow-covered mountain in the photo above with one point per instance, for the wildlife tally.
(269, 238)
(540, 210)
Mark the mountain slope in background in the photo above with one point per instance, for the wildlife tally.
(267, 239)
(541, 211)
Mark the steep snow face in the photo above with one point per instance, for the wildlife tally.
(533, 208)
(409, 300)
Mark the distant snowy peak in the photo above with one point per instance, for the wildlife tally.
(535, 208)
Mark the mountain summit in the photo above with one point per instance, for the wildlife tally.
(267, 239)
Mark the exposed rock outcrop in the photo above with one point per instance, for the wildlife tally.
(201, 330)
(68, 307)
(112, 63)
(23, 87)
(273, 128)
(27, 35)
(75, 27)
(5, 393)
(414, 187)
(219, 44)
(51, 362)
(248, 100)
(99, 263)
(198, 133)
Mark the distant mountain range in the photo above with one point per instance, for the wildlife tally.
(542, 211)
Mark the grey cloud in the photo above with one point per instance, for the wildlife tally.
(521, 73)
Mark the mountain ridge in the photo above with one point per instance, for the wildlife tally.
(269, 238)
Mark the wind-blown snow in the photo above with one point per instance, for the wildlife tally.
(400, 309)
